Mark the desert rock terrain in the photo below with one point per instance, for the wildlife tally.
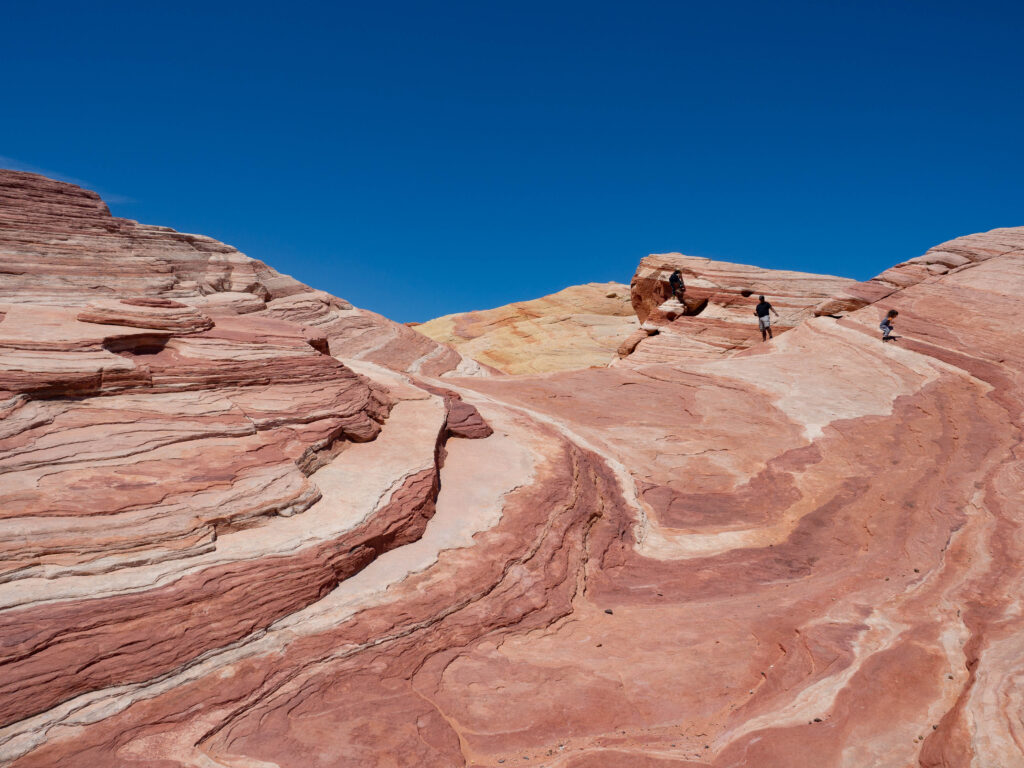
(578, 327)
(248, 525)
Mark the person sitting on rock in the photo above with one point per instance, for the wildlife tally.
(677, 284)
(886, 326)
(764, 322)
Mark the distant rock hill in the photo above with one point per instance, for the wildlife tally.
(244, 523)
(596, 324)
(578, 327)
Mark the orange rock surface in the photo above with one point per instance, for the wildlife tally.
(578, 327)
(272, 531)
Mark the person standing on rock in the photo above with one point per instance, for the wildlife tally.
(764, 322)
(677, 285)
(886, 325)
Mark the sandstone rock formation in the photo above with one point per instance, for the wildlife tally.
(716, 314)
(226, 547)
(578, 327)
(172, 426)
(61, 247)
(953, 256)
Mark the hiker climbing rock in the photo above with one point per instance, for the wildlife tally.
(677, 285)
(887, 326)
(764, 322)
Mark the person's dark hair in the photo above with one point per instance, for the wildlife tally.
(762, 298)
(892, 313)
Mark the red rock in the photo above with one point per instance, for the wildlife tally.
(463, 419)
(227, 547)
(144, 441)
(955, 255)
(161, 314)
(716, 315)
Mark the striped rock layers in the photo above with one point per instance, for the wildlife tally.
(800, 554)
(716, 313)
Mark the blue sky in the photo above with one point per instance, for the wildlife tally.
(423, 158)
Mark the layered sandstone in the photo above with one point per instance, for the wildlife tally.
(950, 257)
(178, 441)
(716, 314)
(62, 248)
(800, 554)
(578, 327)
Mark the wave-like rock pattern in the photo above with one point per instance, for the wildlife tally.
(806, 553)
(178, 470)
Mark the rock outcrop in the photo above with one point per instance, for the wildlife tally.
(578, 327)
(716, 313)
(177, 441)
(240, 545)
(950, 257)
(62, 248)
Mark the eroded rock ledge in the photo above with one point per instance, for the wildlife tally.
(715, 316)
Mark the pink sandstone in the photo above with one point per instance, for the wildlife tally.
(270, 544)
(716, 314)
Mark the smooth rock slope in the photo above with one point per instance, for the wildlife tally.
(247, 527)
(578, 327)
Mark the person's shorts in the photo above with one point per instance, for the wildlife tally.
(764, 323)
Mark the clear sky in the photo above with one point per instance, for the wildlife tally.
(421, 158)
